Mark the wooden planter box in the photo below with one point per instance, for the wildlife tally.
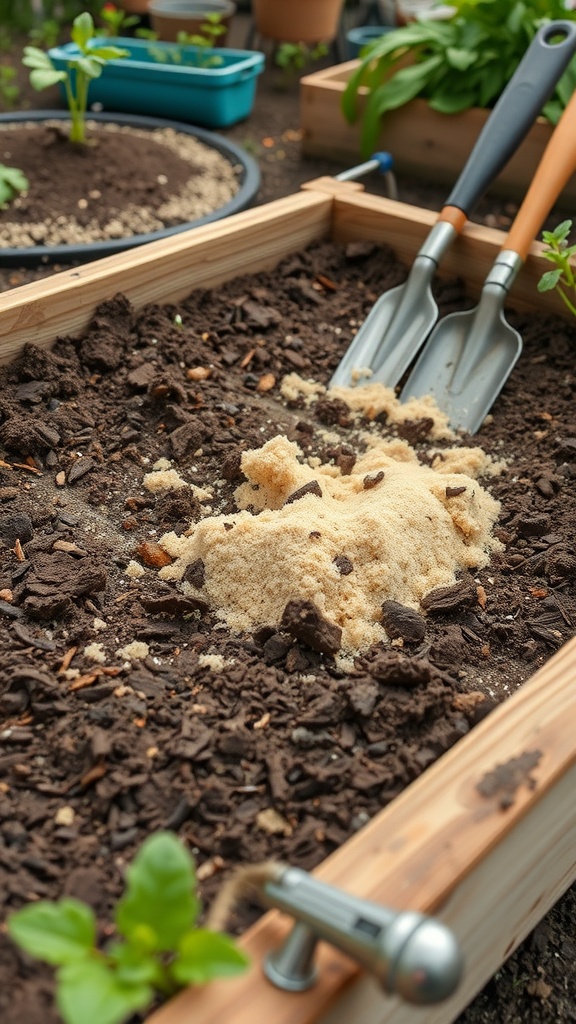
(441, 847)
(419, 139)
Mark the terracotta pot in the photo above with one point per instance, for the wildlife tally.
(297, 21)
(169, 17)
(135, 6)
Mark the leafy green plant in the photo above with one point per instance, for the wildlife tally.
(161, 950)
(24, 15)
(462, 62)
(116, 20)
(560, 254)
(12, 182)
(5, 39)
(294, 57)
(81, 70)
(9, 91)
(210, 31)
(206, 40)
(45, 34)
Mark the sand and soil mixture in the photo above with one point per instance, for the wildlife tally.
(128, 702)
(125, 181)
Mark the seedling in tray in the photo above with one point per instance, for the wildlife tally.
(160, 949)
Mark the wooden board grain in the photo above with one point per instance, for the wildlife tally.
(416, 136)
(163, 271)
(470, 257)
(487, 865)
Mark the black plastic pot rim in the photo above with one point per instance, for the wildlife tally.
(35, 255)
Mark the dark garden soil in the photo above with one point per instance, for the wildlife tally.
(125, 181)
(96, 755)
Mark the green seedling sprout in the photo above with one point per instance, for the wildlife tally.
(115, 20)
(46, 34)
(294, 57)
(81, 70)
(158, 947)
(12, 182)
(210, 31)
(559, 253)
(9, 90)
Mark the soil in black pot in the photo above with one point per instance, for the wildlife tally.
(124, 181)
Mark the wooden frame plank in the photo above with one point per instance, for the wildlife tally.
(440, 843)
(441, 847)
(162, 271)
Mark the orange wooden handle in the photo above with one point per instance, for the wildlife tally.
(453, 215)
(556, 167)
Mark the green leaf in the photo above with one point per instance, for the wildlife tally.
(89, 66)
(460, 59)
(82, 30)
(133, 966)
(106, 53)
(450, 102)
(14, 178)
(561, 231)
(404, 86)
(58, 933)
(35, 58)
(160, 892)
(91, 993)
(205, 955)
(549, 280)
(44, 79)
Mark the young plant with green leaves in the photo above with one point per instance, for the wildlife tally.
(295, 57)
(9, 90)
(45, 34)
(81, 70)
(159, 948)
(206, 39)
(463, 62)
(560, 253)
(12, 182)
(116, 20)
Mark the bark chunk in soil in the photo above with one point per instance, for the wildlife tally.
(135, 705)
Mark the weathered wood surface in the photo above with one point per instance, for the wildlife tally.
(169, 269)
(470, 257)
(416, 136)
(488, 865)
(163, 271)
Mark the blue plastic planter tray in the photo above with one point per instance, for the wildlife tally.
(160, 79)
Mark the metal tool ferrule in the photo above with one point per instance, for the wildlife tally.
(438, 241)
(504, 271)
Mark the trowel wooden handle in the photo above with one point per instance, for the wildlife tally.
(555, 169)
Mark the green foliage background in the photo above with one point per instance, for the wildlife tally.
(21, 16)
(456, 64)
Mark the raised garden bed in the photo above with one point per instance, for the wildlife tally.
(487, 854)
(416, 136)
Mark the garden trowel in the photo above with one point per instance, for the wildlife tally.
(469, 356)
(401, 319)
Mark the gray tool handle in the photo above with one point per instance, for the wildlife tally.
(530, 87)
